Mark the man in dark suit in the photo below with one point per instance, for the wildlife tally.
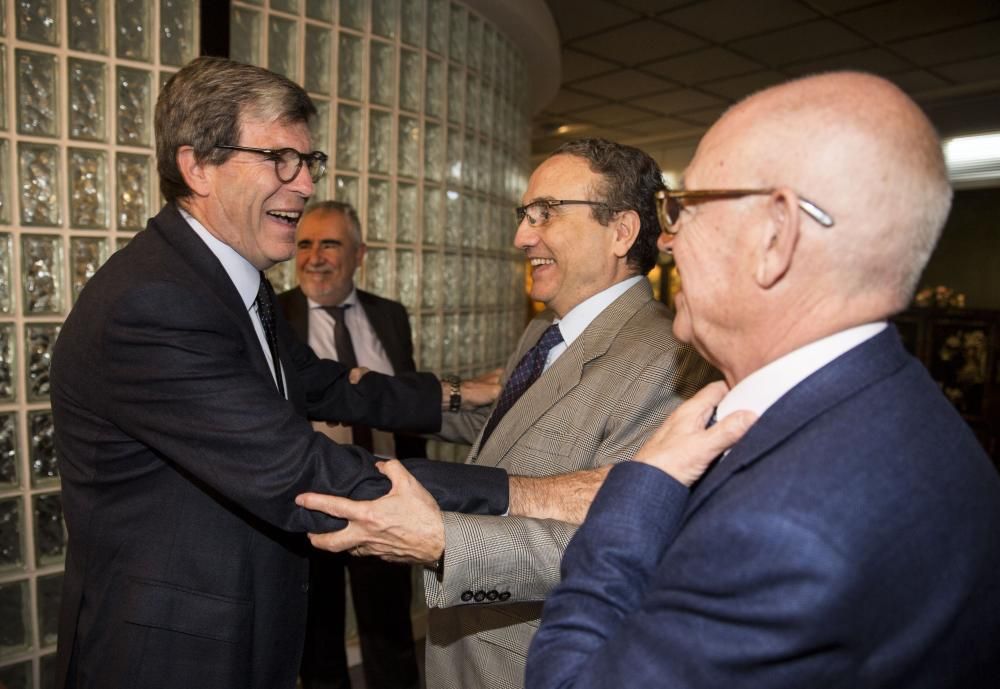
(181, 408)
(849, 539)
(323, 310)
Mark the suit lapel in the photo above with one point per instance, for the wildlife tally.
(841, 379)
(296, 311)
(381, 323)
(564, 374)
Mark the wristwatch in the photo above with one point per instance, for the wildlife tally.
(455, 393)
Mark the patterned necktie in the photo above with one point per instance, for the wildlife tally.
(361, 435)
(526, 373)
(265, 312)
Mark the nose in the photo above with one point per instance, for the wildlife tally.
(315, 254)
(665, 242)
(526, 235)
(302, 183)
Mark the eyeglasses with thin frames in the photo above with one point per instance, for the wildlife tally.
(539, 212)
(670, 203)
(288, 161)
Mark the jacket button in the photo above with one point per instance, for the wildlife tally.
(480, 596)
(504, 596)
(466, 596)
(492, 596)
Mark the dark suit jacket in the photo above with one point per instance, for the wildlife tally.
(392, 327)
(850, 539)
(180, 463)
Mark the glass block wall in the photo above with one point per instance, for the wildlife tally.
(422, 112)
(78, 79)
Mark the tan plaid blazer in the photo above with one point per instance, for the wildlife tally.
(594, 406)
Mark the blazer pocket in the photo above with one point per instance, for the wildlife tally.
(164, 606)
(509, 630)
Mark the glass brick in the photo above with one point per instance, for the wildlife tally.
(430, 285)
(48, 669)
(8, 381)
(86, 256)
(3, 83)
(486, 110)
(49, 594)
(134, 113)
(456, 93)
(86, 100)
(320, 126)
(6, 272)
(434, 88)
(474, 53)
(433, 152)
(282, 41)
(379, 141)
(466, 346)
(317, 76)
(38, 21)
(378, 228)
(433, 226)
(489, 47)
(42, 454)
(177, 35)
(350, 66)
(385, 15)
(8, 441)
(281, 276)
(406, 278)
(3, 17)
(133, 190)
(320, 9)
(37, 93)
(290, 6)
(50, 531)
(472, 102)
(39, 339)
(430, 343)
(346, 190)
(132, 29)
(5, 200)
(244, 32)
(383, 68)
(453, 218)
(408, 158)
(469, 163)
(468, 235)
(258, 3)
(352, 14)
(449, 341)
(453, 162)
(412, 22)
(41, 266)
(457, 34)
(88, 206)
(86, 26)
(15, 676)
(437, 26)
(409, 81)
(11, 538)
(348, 137)
(377, 272)
(406, 213)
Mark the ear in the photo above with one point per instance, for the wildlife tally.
(197, 175)
(362, 250)
(626, 230)
(778, 238)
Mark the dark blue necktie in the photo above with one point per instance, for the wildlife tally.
(265, 312)
(526, 373)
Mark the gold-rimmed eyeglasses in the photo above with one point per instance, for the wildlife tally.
(539, 212)
(288, 161)
(670, 203)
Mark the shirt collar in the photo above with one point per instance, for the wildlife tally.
(350, 300)
(762, 388)
(245, 277)
(581, 315)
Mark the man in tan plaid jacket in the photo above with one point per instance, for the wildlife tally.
(611, 376)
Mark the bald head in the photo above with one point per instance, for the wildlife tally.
(863, 151)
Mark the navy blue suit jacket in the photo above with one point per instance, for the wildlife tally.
(850, 539)
(180, 463)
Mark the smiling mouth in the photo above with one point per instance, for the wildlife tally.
(537, 262)
(290, 218)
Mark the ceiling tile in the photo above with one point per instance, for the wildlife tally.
(576, 19)
(736, 88)
(875, 60)
(839, 6)
(678, 101)
(801, 42)
(652, 6)
(724, 20)
(609, 115)
(638, 42)
(972, 71)
(951, 46)
(625, 83)
(907, 18)
(576, 65)
(918, 81)
(567, 100)
(702, 65)
(705, 117)
(660, 125)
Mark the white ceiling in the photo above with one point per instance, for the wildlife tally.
(656, 73)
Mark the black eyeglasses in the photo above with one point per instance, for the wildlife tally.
(288, 161)
(538, 212)
(670, 203)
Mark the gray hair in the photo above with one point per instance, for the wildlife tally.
(346, 209)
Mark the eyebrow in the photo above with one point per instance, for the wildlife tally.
(538, 199)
